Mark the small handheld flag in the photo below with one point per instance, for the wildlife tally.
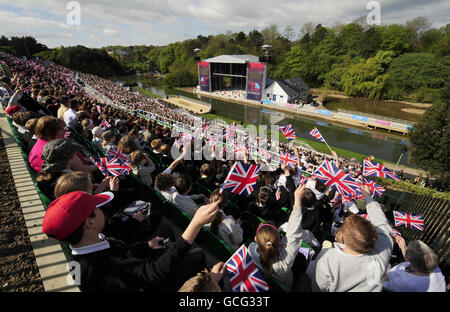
(111, 166)
(288, 132)
(288, 159)
(241, 178)
(244, 274)
(409, 220)
(372, 169)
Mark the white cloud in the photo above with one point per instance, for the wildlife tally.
(160, 22)
(109, 32)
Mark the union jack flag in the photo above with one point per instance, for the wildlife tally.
(239, 151)
(117, 153)
(244, 274)
(288, 132)
(374, 188)
(288, 159)
(336, 202)
(315, 133)
(372, 169)
(105, 124)
(330, 175)
(278, 194)
(409, 220)
(67, 133)
(396, 232)
(364, 216)
(111, 166)
(265, 155)
(241, 178)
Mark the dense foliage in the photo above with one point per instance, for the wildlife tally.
(399, 62)
(430, 139)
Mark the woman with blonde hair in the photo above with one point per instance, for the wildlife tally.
(82, 181)
(274, 257)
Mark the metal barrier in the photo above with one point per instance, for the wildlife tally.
(436, 214)
(394, 120)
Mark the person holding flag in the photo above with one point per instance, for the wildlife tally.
(315, 133)
(270, 254)
(361, 255)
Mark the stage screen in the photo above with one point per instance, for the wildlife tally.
(255, 81)
(203, 76)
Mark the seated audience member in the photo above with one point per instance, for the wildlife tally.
(70, 115)
(266, 207)
(226, 227)
(166, 159)
(206, 280)
(420, 272)
(97, 136)
(274, 257)
(64, 106)
(165, 184)
(47, 128)
(134, 134)
(109, 138)
(127, 145)
(142, 166)
(59, 156)
(181, 197)
(156, 149)
(208, 175)
(360, 244)
(106, 264)
(87, 125)
(31, 126)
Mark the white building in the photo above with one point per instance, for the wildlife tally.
(286, 91)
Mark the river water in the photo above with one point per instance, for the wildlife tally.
(380, 145)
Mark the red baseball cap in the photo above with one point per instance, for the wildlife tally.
(13, 109)
(68, 212)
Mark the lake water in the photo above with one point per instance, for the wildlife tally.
(382, 146)
(392, 109)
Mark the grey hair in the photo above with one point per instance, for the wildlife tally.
(422, 257)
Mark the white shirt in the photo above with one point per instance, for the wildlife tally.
(92, 247)
(402, 281)
(70, 118)
(185, 203)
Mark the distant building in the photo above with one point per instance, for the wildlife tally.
(286, 91)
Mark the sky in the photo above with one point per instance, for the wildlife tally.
(160, 22)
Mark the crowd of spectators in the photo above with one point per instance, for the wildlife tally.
(124, 243)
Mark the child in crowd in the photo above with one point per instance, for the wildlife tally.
(142, 166)
(181, 197)
(360, 244)
(109, 138)
(276, 259)
(226, 227)
(107, 264)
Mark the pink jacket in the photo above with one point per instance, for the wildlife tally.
(35, 156)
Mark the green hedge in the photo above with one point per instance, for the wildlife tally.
(412, 188)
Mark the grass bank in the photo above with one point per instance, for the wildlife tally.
(318, 146)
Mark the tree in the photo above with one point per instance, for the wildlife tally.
(350, 38)
(289, 33)
(415, 28)
(394, 39)
(410, 72)
(270, 33)
(430, 141)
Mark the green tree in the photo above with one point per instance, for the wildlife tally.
(430, 140)
(411, 72)
(394, 38)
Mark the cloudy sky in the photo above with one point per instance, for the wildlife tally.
(159, 22)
